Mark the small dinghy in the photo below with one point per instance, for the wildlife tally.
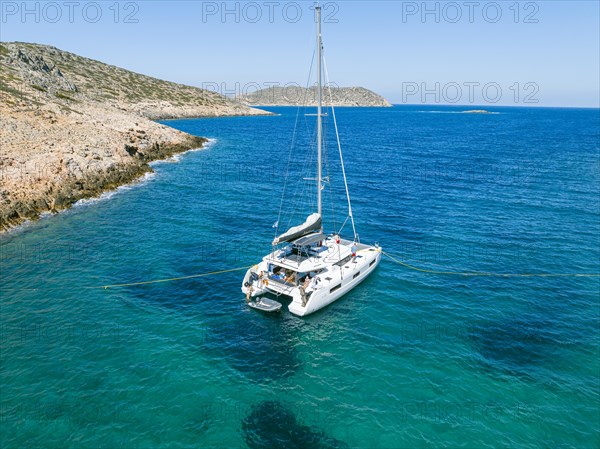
(265, 305)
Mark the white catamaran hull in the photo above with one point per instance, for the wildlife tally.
(323, 296)
(334, 282)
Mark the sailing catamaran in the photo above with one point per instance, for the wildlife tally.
(306, 265)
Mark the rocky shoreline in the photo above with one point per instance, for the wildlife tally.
(73, 128)
(93, 183)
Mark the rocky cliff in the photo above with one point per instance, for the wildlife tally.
(72, 127)
(298, 96)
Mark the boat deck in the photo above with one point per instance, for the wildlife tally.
(330, 253)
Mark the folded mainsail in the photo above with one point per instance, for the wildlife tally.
(312, 223)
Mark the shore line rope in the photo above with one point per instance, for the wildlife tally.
(488, 274)
(181, 278)
(129, 284)
(156, 281)
(399, 262)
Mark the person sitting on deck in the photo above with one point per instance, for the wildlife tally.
(303, 288)
(290, 277)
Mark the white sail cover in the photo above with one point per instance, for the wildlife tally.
(312, 223)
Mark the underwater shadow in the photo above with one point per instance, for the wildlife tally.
(272, 425)
(259, 346)
(518, 347)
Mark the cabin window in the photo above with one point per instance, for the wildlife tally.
(356, 275)
(335, 288)
(372, 262)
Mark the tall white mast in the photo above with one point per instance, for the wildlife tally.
(319, 107)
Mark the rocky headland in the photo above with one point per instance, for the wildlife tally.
(299, 96)
(72, 127)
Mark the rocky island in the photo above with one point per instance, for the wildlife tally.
(72, 127)
(299, 96)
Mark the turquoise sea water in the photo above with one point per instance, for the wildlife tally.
(408, 359)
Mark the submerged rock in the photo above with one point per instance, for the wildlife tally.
(520, 347)
(272, 425)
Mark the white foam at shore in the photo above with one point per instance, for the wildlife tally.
(81, 203)
(177, 157)
(109, 194)
(143, 180)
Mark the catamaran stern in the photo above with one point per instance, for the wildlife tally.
(253, 284)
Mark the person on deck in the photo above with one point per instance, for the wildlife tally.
(291, 277)
(306, 282)
(303, 288)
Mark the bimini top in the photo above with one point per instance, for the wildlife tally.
(312, 223)
(309, 239)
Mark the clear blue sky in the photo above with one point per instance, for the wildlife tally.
(545, 50)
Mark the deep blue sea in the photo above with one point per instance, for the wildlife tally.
(409, 359)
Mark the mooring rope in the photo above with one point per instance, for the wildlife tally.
(396, 260)
(156, 281)
(129, 284)
(488, 274)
